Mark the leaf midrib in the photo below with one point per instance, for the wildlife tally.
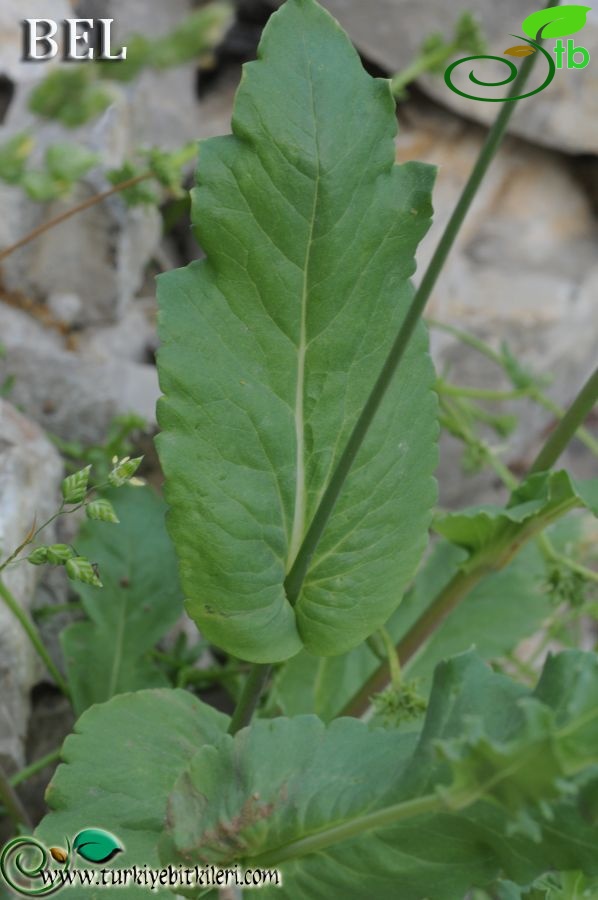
(298, 529)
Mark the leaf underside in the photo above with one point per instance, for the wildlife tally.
(121, 764)
(271, 346)
(514, 773)
(252, 798)
(140, 601)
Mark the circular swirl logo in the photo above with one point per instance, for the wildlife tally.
(554, 22)
(26, 859)
(513, 73)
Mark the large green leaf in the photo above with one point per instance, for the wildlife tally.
(272, 345)
(121, 764)
(345, 809)
(141, 599)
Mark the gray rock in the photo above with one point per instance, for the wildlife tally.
(30, 474)
(72, 396)
(99, 255)
(133, 339)
(391, 32)
(67, 309)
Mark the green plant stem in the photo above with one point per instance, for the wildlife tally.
(457, 390)
(58, 220)
(532, 391)
(564, 432)
(470, 340)
(12, 803)
(250, 695)
(548, 403)
(426, 62)
(491, 559)
(400, 812)
(35, 767)
(294, 580)
(469, 438)
(551, 554)
(34, 636)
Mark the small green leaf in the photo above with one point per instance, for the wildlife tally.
(39, 557)
(80, 569)
(13, 157)
(124, 470)
(198, 32)
(559, 21)
(70, 95)
(167, 167)
(96, 845)
(74, 487)
(102, 510)
(541, 499)
(141, 194)
(69, 162)
(43, 187)
(58, 554)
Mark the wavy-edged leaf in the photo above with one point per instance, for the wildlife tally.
(141, 599)
(541, 499)
(520, 50)
(258, 798)
(271, 346)
(120, 765)
(559, 21)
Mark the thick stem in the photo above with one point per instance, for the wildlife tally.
(12, 803)
(582, 433)
(250, 695)
(565, 431)
(57, 220)
(34, 636)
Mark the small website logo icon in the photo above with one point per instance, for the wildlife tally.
(546, 24)
(25, 859)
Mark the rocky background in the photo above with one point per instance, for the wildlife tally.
(77, 307)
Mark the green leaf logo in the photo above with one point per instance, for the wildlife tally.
(558, 22)
(96, 845)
